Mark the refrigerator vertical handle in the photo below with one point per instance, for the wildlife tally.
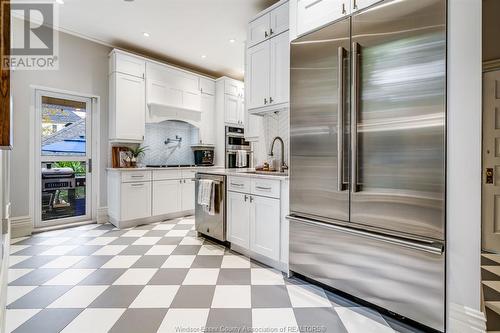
(356, 51)
(340, 119)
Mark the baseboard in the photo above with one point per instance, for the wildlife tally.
(463, 319)
(102, 215)
(21, 226)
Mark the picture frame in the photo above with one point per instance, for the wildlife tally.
(119, 155)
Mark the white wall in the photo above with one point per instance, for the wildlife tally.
(464, 164)
(83, 67)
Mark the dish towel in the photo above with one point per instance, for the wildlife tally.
(206, 195)
(241, 159)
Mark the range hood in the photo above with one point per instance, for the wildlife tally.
(158, 112)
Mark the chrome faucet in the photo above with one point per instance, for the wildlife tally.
(283, 165)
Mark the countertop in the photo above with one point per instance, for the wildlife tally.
(248, 172)
(244, 173)
(196, 168)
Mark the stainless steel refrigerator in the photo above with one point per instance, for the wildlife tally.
(367, 179)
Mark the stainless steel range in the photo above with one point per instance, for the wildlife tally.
(367, 181)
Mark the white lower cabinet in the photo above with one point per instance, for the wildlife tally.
(265, 227)
(187, 194)
(238, 212)
(142, 196)
(166, 198)
(135, 200)
(254, 222)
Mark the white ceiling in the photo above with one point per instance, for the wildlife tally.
(181, 31)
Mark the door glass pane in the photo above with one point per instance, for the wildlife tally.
(63, 127)
(63, 189)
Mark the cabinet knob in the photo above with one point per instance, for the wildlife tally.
(355, 5)
(343, 9)
(265, 100)
(271, 31)
(266, 34)
(246, 197)
(271, 100)
(251, 199)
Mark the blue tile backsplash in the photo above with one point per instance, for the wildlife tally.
(159, 153)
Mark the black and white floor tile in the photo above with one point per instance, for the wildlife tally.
(163, 278)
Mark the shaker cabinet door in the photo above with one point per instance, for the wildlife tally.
(265, 227)
(280, 19)
(166, 197)
(258, 30)
(130, 107)
(231, 106)
(258, 63)
(280, 69)
(135, 200)
(188, 194)
(238, 214)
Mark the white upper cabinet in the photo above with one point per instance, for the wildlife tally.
(268, 68)
(268, 64)
(127, 97)
(207, 86)
(362, 4)
(172, 87)
(127, 64)
(127, 108)
(232, 87)
(258, 30)
(269, 24)
(280, 69)
(257, 74)
(279, 19)
(312, 14)
(230, 101)
(231, 106)
(207, 128)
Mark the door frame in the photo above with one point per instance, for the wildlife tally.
(34, 177)
(488, 66)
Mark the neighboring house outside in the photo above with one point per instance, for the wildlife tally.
(63, 132)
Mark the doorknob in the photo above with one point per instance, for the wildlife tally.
(489, 175)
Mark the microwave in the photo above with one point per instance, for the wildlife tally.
(235, 139)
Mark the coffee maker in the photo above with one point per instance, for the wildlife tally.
(203, 155)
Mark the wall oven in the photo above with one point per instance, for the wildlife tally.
(239, 152)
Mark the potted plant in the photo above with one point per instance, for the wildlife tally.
(134, 154)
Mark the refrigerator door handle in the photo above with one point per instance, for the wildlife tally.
(356, 51)
(340, 120)
(432, 248)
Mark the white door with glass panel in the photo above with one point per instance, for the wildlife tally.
(63, 158)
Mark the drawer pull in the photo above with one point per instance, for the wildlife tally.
(137, 185)
(313, 4)
(137, 176)
(239, 185)
(263, 188)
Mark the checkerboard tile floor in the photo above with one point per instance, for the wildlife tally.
(163, 278)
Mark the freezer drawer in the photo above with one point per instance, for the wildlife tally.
(401, 276)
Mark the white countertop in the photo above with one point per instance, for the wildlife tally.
(196, 168)
(244, 173)
(248, 172)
